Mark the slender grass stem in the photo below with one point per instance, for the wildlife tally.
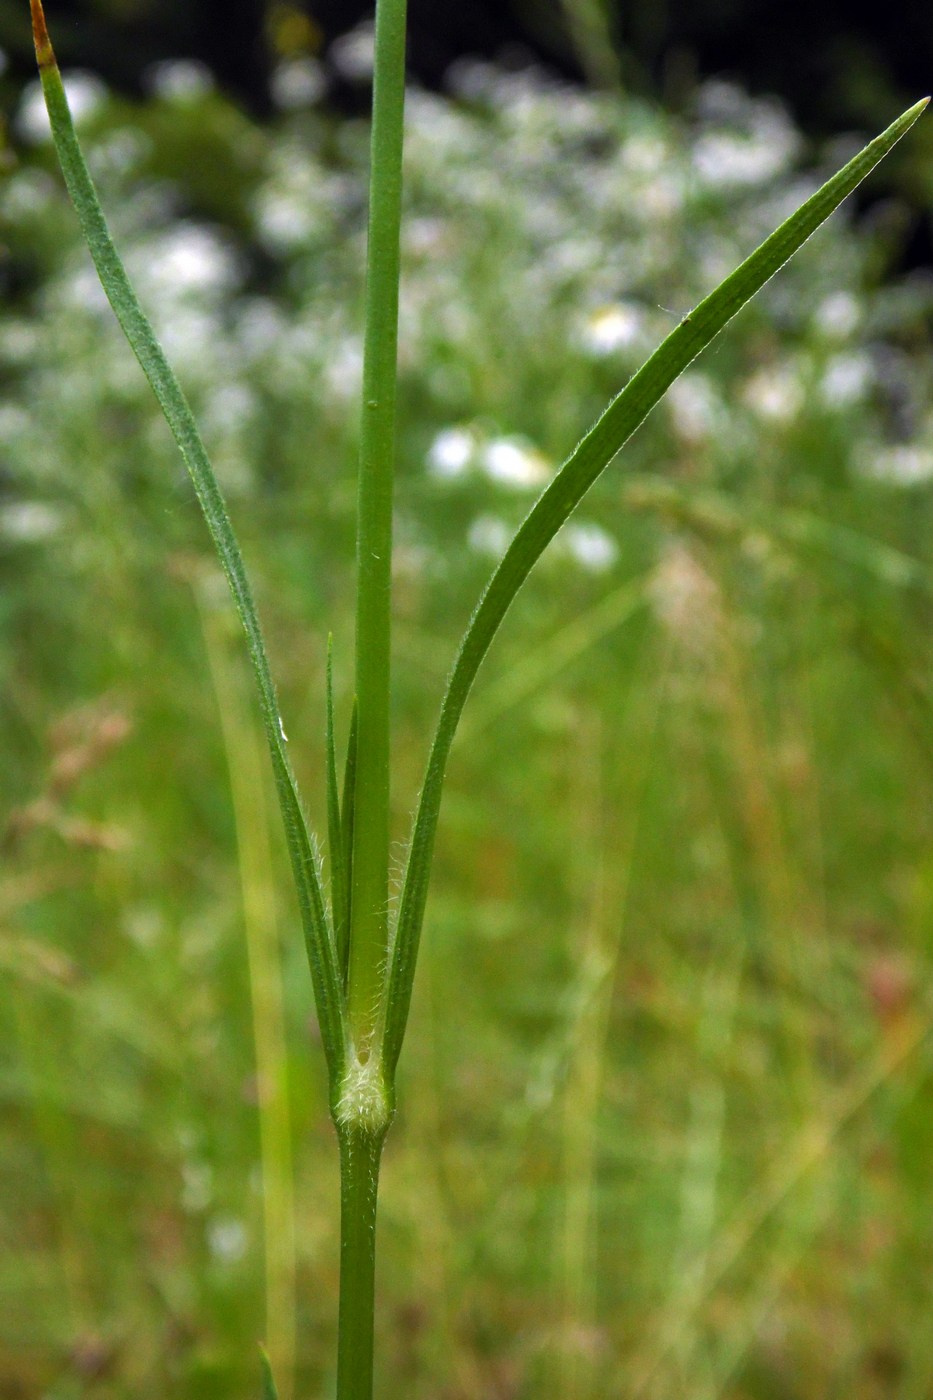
(364, 1110)
(360, 1154)
(369, 903)
(370, 869)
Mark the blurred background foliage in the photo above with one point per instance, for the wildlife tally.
(666, 1102)
(833, 64)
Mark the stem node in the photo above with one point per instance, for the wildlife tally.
(364, 1102)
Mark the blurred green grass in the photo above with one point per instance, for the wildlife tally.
(666, 1101)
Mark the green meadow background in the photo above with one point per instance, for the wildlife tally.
(666, 1105)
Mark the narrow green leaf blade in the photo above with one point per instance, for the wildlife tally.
(138, 331)
(581, 469)
(348, 818)
(338, 870)
(269, 1391)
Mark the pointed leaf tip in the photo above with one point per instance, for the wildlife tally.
(269, 1391)
(45, 55)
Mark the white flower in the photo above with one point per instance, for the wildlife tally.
(489, 535)
(28, 522)
(846, 380)
(343, 372)
(197, 1185)
(513, 462)
(352, 55)
(774, 394)
(120, 152)
(590, 546)
(615, 327)
(645, 154)
(15, 423)
(260, 328)
(188, 258)
(661, 197)
(694, 407)
(451, 452)
(837, 315)
(904, 465)
(179, 80)
(194, 338)
(226, 1239)
(228, 409)
(724, 158)
(19, 340)
(26, 193)
(285, 220)
(301, 82)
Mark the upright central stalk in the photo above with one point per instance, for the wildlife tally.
(359, 1185)
(370, 870)
(363, 1108)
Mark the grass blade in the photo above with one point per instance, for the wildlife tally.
(138, 331)
(269, 1391)
(581, 469)
(337, 849)
(347, 822)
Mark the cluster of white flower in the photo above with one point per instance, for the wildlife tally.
(552, 237)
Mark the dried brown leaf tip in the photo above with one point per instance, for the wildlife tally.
(45, 55)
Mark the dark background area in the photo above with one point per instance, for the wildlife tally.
(832, 62)
(839, 69)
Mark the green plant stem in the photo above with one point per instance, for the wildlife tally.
(360, 1154)
(370, 865)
